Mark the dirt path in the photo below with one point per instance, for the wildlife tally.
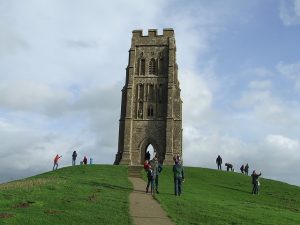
(143, 208)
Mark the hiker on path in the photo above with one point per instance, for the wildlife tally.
(255, 182)
(150, 176)
(74, 156)
(229, 166)
(219, 162)
(84, 160)
(56, 158)
(246, 169)
(157, 168)
(242, 169)
(178, 177)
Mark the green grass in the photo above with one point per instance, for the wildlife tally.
(99, 195)
(73, 195)
(214, 197)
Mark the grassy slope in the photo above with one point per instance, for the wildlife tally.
(220, 198)
(72, 195)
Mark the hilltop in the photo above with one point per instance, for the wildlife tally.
(99, 194)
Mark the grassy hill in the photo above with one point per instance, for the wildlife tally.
(213, 197)
(73, 195)
(98, 194)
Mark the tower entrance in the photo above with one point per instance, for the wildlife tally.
(151, 108)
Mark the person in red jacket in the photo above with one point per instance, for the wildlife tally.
(85, 160)
(57, 157)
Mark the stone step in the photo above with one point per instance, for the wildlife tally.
(135, 171)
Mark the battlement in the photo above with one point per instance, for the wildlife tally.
(167, 32)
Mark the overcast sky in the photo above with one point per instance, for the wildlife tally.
(62, 68)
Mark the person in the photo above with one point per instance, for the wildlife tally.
(147, 156)
(150, 176)
(157, 168)
(178, 177)
(91, 161)
(255, 182)
(56, 158)
(74, 156)
(229, 166)
(246, 169)
(84, 160)
(219, 162)
(242, 169)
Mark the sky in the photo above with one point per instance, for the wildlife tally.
(62, 68)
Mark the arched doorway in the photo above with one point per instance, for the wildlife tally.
(151, 150)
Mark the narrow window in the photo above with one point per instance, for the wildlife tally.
(142, 68)
(152, 66)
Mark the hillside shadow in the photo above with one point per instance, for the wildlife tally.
(114, 187)
(232, 188)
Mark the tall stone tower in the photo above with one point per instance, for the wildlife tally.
(151, 111)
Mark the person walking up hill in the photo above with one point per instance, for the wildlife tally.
(57, 157)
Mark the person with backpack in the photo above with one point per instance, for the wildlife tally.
(74, 156)
(178, 177)
(55, 166)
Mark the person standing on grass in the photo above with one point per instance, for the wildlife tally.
(84, 160)
(74, 156)
(242, 169)
(56, 158)
(219, 162)
(178, 177)
(255, 182)
(246, 169)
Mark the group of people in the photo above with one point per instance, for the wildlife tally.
(153, 168)
(74, 157)
(244, 170)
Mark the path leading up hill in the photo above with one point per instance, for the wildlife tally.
(143, 208)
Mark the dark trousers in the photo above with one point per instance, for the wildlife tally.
(177, 185)
(219, 167)
(255, 188)
(73, 162)
(150, 182)
(55, 166)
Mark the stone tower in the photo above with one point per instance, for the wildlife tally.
(151, 110)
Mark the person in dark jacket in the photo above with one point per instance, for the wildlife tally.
(242, 169)
(255, 182)
(219, 162)
(178, 177)
(246, 169)
(74, 156)
(229, 166)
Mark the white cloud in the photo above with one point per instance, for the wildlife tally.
(292, 72)
(289, 12)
